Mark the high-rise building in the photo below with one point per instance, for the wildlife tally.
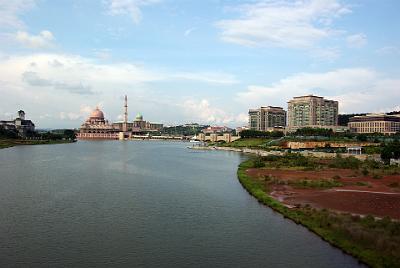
(312, 111)
(267, 118)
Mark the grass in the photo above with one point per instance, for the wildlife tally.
(5, 143)
(291, 160)
(370, 167)
(374, 242)
(247, 143)
(315, 184)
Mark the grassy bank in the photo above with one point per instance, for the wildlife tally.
(5, 143)
(374, 242)
(247, 143)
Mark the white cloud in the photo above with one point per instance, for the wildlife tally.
(43, 40)
(357, 90)
(11, 9)
(189, 31)
(388, 50)
(103, 53)
(202, 111)
(277, 23)
(214, 78)
(83, 113)
(356, 40)
(129, 7)
(57, 84)
(325, 54)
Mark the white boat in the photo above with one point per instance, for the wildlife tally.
(194, 139)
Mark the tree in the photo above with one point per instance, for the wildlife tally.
(249, 133)
(362, 137)
(386, 154)
(69, 134)
(390, 150)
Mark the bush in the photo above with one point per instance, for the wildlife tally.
(260, 134)
(349, 162)
(376, 176)
(309, 131)
(319, 184)
(258, 162)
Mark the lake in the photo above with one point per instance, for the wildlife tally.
(142, 204)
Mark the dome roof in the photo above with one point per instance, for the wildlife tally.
(139, 117)
(97, 114)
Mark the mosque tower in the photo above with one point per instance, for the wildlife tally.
(125, 124)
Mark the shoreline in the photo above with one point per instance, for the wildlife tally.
(8, 143)
(310, 219)
(267, 153)
(307, 217)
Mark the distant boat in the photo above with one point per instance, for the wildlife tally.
(194, 139)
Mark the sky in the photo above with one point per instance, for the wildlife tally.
(182, 61)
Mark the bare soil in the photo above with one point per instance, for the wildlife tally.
(374, 196)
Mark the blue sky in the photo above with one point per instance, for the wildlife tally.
(194, 61)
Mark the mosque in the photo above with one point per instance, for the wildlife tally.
(96, 127)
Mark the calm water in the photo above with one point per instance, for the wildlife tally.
(142, 204)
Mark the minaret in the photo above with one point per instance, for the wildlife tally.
(125, 124)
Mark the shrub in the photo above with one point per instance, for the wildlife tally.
(376, 176)
(258, 162)
(349, 162)
(365, 172)
(319, 184)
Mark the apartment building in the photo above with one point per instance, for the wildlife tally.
(267, 118)
(312, 111)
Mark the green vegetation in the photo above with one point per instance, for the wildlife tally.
(5, 143)
(376, 176)
(258, 162)
(372, 149)
(9, 138)
(260, 134)
(348, 162)
(391, 150)
(291, 160)
(309, 131)
(375, 242)
(315, 184)
(298, 161)
(183, 130)
(247, 143)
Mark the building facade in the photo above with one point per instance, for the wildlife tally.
(267, 118)
(216, 130)
(375, 123)
(20, 125)
(96, 127)
(312, 111)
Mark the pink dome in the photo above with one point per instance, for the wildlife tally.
(97, 114)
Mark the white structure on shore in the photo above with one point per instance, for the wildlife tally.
(20, 125)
